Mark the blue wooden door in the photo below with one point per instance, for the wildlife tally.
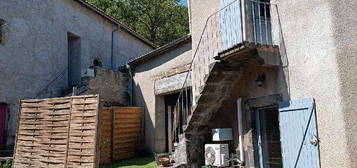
(298, 133)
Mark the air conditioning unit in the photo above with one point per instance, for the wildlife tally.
(222, 134)
(217, 155)
(87, 73)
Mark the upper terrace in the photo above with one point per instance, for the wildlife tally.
(240, 26)
(240, 30)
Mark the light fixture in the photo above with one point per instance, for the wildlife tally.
(260, 80)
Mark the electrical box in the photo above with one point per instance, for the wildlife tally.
(222, 134)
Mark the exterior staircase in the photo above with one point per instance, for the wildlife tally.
(222, 76)
(217, 67)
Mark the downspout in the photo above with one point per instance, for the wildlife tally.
(130, 85)
(112, 50)
(240, 131)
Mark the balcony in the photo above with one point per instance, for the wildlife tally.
(232, 34)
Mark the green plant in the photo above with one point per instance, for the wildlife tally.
(140, 162)
(6, 164)
(158, 156)
(161, 21)
(207, 166)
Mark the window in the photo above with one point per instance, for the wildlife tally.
(261, 21)
(2, 31)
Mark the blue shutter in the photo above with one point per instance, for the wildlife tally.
(231, 23)
(298, 133)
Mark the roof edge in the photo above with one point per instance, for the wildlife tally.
(160, 50)
(115, 21)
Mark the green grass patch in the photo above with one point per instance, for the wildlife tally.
(140, 162)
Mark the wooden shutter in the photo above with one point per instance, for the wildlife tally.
(299, 139)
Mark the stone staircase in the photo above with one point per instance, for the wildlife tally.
(222, 77)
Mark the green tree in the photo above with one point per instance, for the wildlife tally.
(161, 21)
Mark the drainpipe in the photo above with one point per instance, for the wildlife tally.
(112, 51)
(240, 130)
(130, 85)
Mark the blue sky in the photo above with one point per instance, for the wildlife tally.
(183, 2)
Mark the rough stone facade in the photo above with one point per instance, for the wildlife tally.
(35, 52)
(110, 85)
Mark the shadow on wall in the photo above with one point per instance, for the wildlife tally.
(148, 129)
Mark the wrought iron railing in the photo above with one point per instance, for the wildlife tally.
(45, 90)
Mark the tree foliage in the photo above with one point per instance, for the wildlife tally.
(161, 21)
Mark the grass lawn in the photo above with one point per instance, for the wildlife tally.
(142, 162)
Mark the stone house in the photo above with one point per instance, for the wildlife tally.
(280, 74)
(47, 46)
(157, 77)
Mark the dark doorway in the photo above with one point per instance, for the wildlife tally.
(268, 138)
(74, 60)
(3, 112)
(177, 109)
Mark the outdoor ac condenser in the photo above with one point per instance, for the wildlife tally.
(217, 155)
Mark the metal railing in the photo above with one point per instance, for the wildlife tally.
(225, 28)
(262, 29)
(60, 76)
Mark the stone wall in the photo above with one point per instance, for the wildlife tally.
(35, 52)
(111, 86)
